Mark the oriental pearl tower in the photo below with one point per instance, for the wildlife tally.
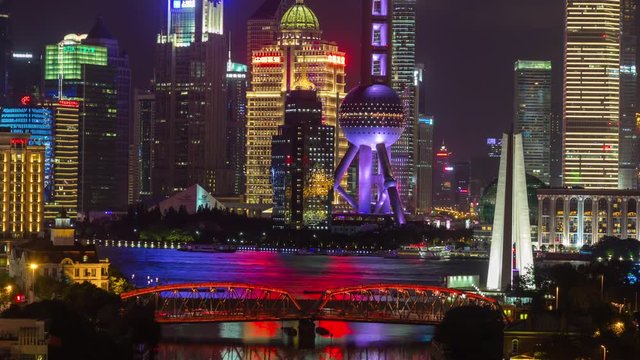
(372, 119)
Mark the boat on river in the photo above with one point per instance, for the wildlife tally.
(208, 248)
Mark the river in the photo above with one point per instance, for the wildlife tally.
(304, 277)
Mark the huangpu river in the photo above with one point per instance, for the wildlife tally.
(304, 277)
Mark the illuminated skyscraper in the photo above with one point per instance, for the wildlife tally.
(462, 185)
(443, 195)
(66, 166)
(190, 120)
(511, 227)
(629, 131)
(237, 83)
(22, 186)
(302, 162)
(592, 93)
(274, 69)
(25, 77)
(532, 115)
(38, 123)
(91, 70)
(404, 80)
(424, 164)
(144, 110)
(263, 25)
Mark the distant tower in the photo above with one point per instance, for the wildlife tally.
(190, 120)
(443, 178)
(424, 164)
(511, 218)
(372, 119)
(532, 115)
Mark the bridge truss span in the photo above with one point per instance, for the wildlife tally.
(407, 304)
(216, 302)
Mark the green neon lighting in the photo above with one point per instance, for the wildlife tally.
(67, 60)
(532, 65)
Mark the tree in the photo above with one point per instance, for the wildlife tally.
(471, 333)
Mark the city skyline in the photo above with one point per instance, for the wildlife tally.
(529, 29)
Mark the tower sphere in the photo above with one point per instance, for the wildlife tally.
(371, 115)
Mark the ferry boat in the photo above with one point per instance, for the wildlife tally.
(414, 252)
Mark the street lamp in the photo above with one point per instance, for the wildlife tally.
(604, 352)
(601, 286)
(557, 295)
(33, 268)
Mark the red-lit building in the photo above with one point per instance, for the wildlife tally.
(443, 194)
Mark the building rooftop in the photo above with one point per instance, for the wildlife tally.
(299, 17)
(580, 191)
(44, 252)
(266, 11)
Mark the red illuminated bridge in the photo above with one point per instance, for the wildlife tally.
(233, 302)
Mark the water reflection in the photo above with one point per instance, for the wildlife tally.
(266, 340)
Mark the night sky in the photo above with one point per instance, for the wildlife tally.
(468, 46)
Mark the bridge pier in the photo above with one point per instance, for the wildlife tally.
(306, 334)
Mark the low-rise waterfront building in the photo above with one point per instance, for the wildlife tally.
(570, 218)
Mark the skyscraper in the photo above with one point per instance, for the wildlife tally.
(302, 162)
(591, 93)
(91, 70)
(263, 25)
(404, 80)
(22, 186)
(36, 121)
(275, 68)
(424, 164)
(66, 166)
(629, 132)
(443, 195)
(555, 151)
(144, 109)
(25, 77)
(462, 185)
(532, 115)
(237, 84)
(190, 123)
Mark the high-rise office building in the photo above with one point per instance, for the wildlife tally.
(25, 78)
(424, 164)
(263, 25)
(237, 84)
(591, 94)
(629, 131)
(404, 80)
(5, 48)
(275, 68)
(443, 195)
(190, 124)
(302, 162)
(36, 121)
(462, 185)
(494, 146)
(89, 69)
(66, 164)
(144, 110)
(22, 186)
(532, 115)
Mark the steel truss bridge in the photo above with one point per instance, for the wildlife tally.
(234, 302)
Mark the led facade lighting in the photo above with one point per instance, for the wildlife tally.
(592, 94)
(274, 70)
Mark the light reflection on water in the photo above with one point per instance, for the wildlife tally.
(304, 277)
(266, 340)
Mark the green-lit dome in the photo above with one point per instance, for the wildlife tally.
(299, 17)
(488, 200)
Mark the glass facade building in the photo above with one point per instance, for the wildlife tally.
(237, 84)
(532, 115)
(424, 164)
(592, 94)
(38, 123)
